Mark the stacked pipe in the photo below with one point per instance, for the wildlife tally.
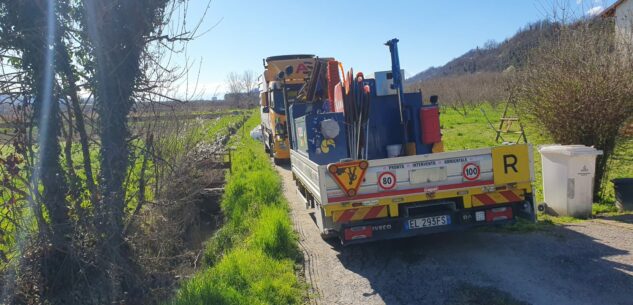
(317, 80)
(356, 103)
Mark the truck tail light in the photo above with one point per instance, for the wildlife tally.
(495, 214)
(359, 232)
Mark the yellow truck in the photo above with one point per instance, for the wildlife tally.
(276, 92)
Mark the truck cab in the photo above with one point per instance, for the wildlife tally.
(277, 87)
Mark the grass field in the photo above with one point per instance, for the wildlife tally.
(252, 259)
(473, 131)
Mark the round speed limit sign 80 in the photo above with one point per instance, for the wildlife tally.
(386, 180)
(471, 171)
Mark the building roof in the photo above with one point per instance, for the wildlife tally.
(610, 11)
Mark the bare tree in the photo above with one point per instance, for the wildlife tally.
(249, 82)
(242, 89)
(234, 83)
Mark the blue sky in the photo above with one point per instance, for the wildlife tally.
(431, 32)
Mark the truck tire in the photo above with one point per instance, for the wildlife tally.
(271, 148)
(264, 137)
(329, 236)
(278, 161)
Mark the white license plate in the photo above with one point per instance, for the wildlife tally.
(432, 221)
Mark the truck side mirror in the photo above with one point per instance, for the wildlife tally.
(433, 99)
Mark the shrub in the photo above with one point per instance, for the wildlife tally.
(579, 87)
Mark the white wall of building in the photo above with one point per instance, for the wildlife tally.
(624, 22)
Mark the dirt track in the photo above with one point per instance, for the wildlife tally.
(583, 263)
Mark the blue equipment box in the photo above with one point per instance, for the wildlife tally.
(300, 109)
(312, 143)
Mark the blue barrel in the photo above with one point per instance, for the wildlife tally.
(624, 192)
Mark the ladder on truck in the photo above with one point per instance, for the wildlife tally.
(506, 123)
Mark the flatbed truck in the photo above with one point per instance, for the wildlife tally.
(368, 159)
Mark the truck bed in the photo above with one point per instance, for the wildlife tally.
(414, 174)
(418, 188)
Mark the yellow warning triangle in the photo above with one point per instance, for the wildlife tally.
(348, 175)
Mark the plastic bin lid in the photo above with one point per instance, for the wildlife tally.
(569, 150)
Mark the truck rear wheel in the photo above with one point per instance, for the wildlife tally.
(329, 235)
(271, 148)
(264, 138)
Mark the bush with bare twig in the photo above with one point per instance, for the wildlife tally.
(579, 87)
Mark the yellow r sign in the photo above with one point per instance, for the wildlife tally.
(511, 164)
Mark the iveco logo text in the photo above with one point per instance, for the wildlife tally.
(381, 227)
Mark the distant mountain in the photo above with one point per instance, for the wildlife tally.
(493, 56)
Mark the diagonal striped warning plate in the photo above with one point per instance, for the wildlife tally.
(497, 198)
(363, 213)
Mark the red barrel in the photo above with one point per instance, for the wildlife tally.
(333, 79)
(430, 124)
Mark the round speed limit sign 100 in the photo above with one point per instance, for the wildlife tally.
(471, 171)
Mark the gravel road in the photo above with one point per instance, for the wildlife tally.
(589, 262)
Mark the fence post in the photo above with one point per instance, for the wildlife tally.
(230, 162)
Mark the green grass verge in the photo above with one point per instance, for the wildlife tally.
(603, 208)
(252, 258)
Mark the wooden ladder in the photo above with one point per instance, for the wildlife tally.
(506, 123)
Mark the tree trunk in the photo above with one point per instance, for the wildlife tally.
(117, 31)
(33, 23)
